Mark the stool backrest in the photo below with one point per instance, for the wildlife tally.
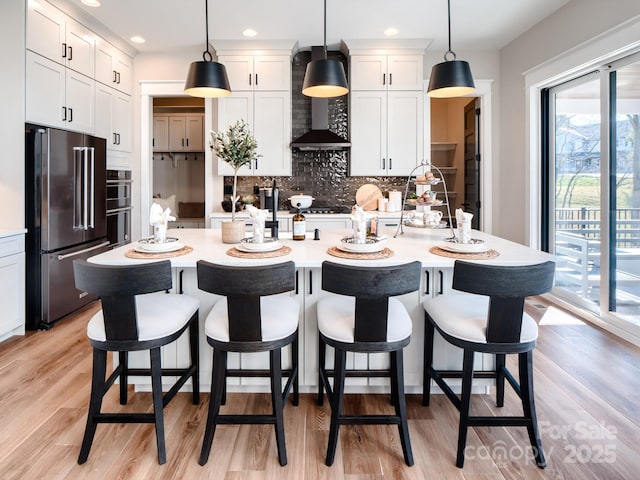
(507, 287)
(372, 287)
(243, 287)
(117, 286)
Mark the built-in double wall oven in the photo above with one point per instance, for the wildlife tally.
(118, 207)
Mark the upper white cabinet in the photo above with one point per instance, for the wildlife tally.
(386, 72)
(386, 132)
(113, 67)
(113, 118)
(386, 114)
(258, 72)
(54, 35)
(260, 79)
(57, 96)
(178, 133)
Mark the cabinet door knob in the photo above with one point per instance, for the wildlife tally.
(70, 52)
(391, 79)
(384, 78)
(64, 50)
(250, 80)
(390, 163)
(256, 79)
(64, 114)
(115, 76)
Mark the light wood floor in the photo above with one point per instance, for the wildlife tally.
(586, 390)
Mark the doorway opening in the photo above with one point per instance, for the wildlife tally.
(178, 145)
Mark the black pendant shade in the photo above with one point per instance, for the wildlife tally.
(207, 79)
(451, 79)
(325, 78)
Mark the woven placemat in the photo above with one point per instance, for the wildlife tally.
(157, 255)
(283, 250)
(384, 253)
(489, 254)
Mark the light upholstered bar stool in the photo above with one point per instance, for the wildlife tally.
(490, 320)
(364, 318)
(250, 319)
(137, 314)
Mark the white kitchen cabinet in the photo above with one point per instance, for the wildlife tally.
(58, 37)
(386, 132)
(113, 67)
(258, 72)
(160, 133)
(186, 133)
(113, 118)
(12, 291)
(386, 72)
(57, 96)
(268, 114)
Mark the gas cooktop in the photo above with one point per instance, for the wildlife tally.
(322, 210)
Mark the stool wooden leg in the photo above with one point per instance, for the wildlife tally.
(95, 401)
(394, 384)
(156, 387)
(525, 366)
(275, 358)
(123, 360)
(217, 388)
(500, 362)
(465, 400)
(194, 347)
(322, 352)
(336, 403)
(428, 360)
(401, 406)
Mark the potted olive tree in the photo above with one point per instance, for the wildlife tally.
(237, 147)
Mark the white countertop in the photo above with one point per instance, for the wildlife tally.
(413, 245)
(287, 214)
(7, 232)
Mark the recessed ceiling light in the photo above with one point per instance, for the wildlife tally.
(91, 3)
(391, 31)
(249, 32)
(137, 39)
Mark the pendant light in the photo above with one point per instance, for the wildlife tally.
(207, 78)
(325, 78)
(451, 78)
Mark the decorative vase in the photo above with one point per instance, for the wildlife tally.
(233, 231)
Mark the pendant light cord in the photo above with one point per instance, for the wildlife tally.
(449, 25)
(325, 28)
(207, 53)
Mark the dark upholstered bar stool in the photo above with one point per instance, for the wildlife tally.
(491, 320)
(134, 318)
(250, 319)
(364, 319)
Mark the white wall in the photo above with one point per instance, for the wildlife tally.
(12, 38)
(576, 23)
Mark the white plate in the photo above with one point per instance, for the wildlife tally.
(476, 246)
(158, 247)
(249, 247)
(371, 246)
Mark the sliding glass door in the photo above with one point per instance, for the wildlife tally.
(593, 180)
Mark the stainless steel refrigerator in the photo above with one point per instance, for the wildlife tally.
(65, 218)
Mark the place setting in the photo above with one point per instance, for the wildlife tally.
(257, 245)
(361, 246)
(462, 246)
(159, 245)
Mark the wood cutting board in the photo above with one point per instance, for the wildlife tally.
(367, 196)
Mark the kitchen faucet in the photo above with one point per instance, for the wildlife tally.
(273, 224)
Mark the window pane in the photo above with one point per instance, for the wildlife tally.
(625, 264)
(576, 139)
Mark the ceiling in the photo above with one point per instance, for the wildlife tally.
(166, 25)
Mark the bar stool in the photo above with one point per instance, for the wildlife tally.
(134, 318)
(250, 319)
(363, 318)
(491, 320)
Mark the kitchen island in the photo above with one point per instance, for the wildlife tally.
(308, 256)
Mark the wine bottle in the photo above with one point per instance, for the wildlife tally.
(299, 226)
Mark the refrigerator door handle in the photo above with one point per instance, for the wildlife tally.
(85, 188)
(78, 189)
(80, 252)
(91, 154)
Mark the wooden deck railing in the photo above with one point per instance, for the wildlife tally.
(586, 222)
